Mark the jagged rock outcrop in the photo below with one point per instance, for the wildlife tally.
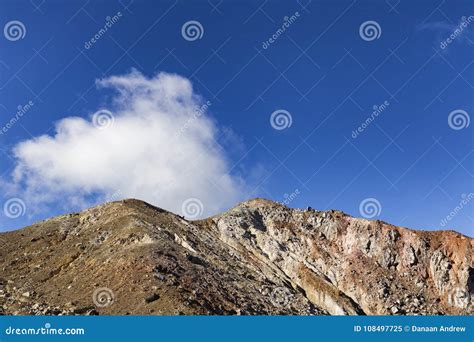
(260, 257)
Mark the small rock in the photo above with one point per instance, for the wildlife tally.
(84, 310)
(196, 260)
(93, 312)
(152, 298)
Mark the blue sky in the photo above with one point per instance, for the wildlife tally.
(413, 162)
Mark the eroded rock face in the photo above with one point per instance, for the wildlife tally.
(260, 257)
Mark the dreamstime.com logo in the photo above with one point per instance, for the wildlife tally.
(196, 115)
(465, 200)
(14, 30)
(457, 31)
(46, 330)
(281, 119)
(3, 243)
(109, 22)
(192, 30)
(459, 119)
(103, 297)
(21, 111)
(377, 110)
(370, 208)
(288, 198)
(103, 119)
(459, 298)
(370, 30)
(287, 22)
(279, 296)
(192, 208)
(14, 208)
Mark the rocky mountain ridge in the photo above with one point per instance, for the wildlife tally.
(260, 257)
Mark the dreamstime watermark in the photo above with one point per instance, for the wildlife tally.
(457, 31)
(281, 296)
(370, 30)
(14, 30)
(103, 119)
(3, 243)
(114, 196)
(192, 30)
(458, 297)
(288, 198)
(370, 208)
(46, 330)
(196, 115)
(281, 119)
(459, 119)
(109, 22)
(465, 200)
(192, 208)
(14, 208)
(103, 297)
(117, 195)
(377, 110)
(287, 22)
(21, 110)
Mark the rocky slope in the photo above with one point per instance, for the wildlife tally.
(261, 257)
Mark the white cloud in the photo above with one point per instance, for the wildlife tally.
(160, 149)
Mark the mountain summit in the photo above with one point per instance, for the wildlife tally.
(259, 258)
